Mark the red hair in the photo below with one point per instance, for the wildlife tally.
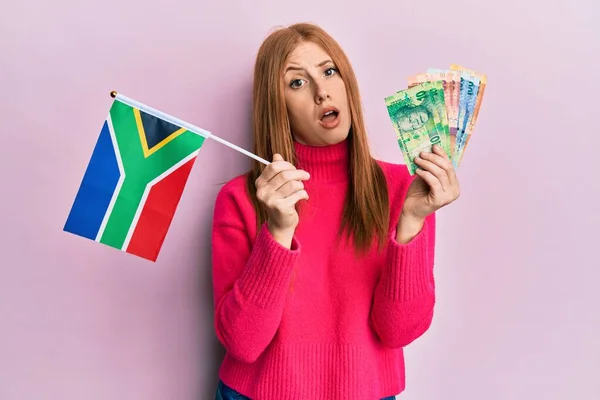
(366, 209)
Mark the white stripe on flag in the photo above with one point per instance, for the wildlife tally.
(149, 186)
(115, 195)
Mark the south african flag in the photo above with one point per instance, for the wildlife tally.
(134, 181)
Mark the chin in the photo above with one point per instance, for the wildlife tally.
(328, 138)
(334, 135)
(339, 137)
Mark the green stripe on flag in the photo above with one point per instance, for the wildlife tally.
(139, 171)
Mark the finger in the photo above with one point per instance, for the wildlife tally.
(430, 166)
(295, 197)
(437, 149)
(286, 176)
(440, 158)
(277, 157)
(446, 164)
(273, 169)
(430, 179)
(271, 172)
(289, 188)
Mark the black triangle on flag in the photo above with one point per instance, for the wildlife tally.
(156, 129)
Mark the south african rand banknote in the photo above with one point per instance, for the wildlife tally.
(469, 129)
(451, 85)
(467, 104)
(413, 114)
(440, 113)
(470, 87)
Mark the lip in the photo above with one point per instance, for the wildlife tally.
(331, 124)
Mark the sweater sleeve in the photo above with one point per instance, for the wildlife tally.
(250, 281)
(405, 295)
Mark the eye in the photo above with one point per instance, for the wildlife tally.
(331, 69)
(295, 83)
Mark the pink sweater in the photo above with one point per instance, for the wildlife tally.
(313, 322)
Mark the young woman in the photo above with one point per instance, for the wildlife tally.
(322, 260)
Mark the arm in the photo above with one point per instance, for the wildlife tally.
(405, 296)
(250, 282)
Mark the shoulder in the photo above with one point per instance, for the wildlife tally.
(235, 187)
(398, 180)
(232, 203)
(397, 175)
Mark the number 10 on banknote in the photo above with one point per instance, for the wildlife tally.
(420, 120)
(439, 107)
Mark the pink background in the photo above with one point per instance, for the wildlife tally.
(518, 312)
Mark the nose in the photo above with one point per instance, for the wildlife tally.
(321, 93)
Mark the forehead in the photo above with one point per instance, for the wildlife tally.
(308, 54)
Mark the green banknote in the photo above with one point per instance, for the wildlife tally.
(415, 115)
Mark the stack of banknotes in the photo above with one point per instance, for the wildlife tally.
(439, 106)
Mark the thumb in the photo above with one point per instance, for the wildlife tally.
(277, 157)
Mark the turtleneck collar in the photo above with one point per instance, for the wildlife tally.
(324, 163)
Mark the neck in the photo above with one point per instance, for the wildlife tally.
(324, 163)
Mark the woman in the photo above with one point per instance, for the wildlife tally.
(322, 260)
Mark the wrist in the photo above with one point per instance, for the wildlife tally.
(282, 236)
(408, 227)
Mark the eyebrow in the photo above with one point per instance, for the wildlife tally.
(292, 68)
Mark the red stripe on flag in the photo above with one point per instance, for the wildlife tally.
(157, 214)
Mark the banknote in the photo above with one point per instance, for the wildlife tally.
(471, 124)
(412, 114)
(482, 84)
(440, 114)
(469, 86)
(451, 84)
(470, 89)
(450, 102)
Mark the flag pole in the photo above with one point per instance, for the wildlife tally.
(183, 124)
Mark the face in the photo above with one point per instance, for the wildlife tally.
(315, 96)
(412, 121)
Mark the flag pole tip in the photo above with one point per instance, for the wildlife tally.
(113, 94)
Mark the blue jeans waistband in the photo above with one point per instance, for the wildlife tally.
(224, 392)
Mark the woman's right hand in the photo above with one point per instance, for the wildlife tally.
(279, 188)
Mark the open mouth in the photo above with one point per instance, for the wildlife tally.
(330, 118)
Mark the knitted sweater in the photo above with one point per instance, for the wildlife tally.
(314, 322)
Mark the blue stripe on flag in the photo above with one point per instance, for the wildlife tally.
(96, 189)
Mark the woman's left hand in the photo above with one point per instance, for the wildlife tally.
(435, 186)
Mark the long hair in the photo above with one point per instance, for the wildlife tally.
(366, 208)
